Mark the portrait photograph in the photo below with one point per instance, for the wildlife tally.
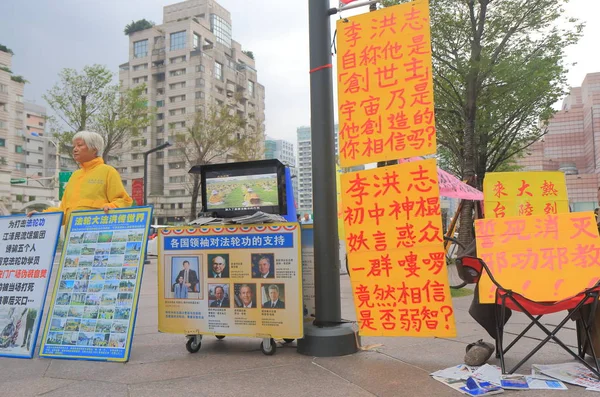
(184, 280)
(217, 266)
(218, 295)
(263, 265)
(273, 296)
(244, 295)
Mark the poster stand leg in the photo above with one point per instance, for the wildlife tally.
(194, 343)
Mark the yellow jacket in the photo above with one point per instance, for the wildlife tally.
(92, 187)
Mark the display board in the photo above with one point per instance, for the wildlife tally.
(27, 250)
(231, 280)
(308, 270)
(96, 292)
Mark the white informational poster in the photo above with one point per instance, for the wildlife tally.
(27, 248)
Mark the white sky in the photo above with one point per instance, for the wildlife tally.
(48, 36)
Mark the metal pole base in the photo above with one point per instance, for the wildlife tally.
(335, 341)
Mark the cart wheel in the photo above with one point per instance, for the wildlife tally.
(288, 340)
(193, 345)
(270, 350)
(220, 337)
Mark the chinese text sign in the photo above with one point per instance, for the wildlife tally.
(96, 292)
(27, 248)
(385, 85)
(543, 257)
(234, 280)
(524, 194)
(395, 251)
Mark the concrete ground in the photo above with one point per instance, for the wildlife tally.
(161, 366)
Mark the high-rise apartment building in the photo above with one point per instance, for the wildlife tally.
(187, 63)
(305, 197)
(284, 152)
(572, 144)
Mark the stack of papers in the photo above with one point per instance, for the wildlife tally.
(256, 218)
(573, 373)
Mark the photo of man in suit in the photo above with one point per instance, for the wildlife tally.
(220, 299)
(263, 266)
(218, 267)
(274, 302)
(245, 298)
(190, 277)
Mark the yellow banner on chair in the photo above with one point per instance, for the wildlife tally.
(545, 258)
(524, 194)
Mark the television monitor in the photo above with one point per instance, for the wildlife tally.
(235, 189)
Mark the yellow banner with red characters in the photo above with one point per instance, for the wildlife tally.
(543, 257)
(385, 85)
(524, 193)
(396, 257)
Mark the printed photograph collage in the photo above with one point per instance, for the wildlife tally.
(95, 294)
(189, 277)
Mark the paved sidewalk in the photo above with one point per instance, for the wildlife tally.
(161, 366)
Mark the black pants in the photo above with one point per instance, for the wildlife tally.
(485, 314)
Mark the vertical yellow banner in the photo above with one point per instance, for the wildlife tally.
(385, 85)
(396, 256)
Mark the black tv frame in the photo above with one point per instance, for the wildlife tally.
(239, 169)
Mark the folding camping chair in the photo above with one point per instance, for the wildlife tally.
(471, 269)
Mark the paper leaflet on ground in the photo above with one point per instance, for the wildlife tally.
(491, 375)
(573, 373)
(470, 386)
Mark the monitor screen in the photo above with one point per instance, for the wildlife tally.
(235, 189)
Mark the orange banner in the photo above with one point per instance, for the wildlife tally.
(392, 222)
(544, 257)
(525, 193)
(385, 85)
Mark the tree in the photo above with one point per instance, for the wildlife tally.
(214, 135)
(249, 54)
(88, 99)
(137, 26)
(19, 79)
(498, 69)
(4, 48)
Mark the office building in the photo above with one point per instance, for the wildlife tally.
(572, 144)
(188, 63)
(305, 198)
(284, 151)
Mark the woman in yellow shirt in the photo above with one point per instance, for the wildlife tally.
(95, 185)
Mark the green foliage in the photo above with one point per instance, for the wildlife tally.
(19, 79)
(4, 48)
(249, 54)
(89, 100)
(6, 69)
(217, 134)
(137, 26)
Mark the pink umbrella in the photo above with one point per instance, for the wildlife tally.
(451, 186)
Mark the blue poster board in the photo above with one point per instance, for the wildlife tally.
(94, 303)
(27, 249)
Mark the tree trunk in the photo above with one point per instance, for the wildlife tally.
(195, 193)
(83, 112)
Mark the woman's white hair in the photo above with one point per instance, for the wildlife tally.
(93, 140)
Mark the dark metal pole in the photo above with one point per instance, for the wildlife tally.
(327, 335)
(327, 273)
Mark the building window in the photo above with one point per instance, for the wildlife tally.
(218, 71)
(200, 82)
(160, 104)
(2, 142)
(221, 29)
(176, 166)
(20, 99)
(140, 48)
(160, 91)
(251, 88)
(199, 95)
(177, 59)
(160, 128)
(175, 86)
(178, 72)
(19, 149)
(196, 40)
(135, 169)
(160, 116)
(135, 156)
(200, 68)
(143, 66)
(3, 88)
(178, 40)
(160, 141)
